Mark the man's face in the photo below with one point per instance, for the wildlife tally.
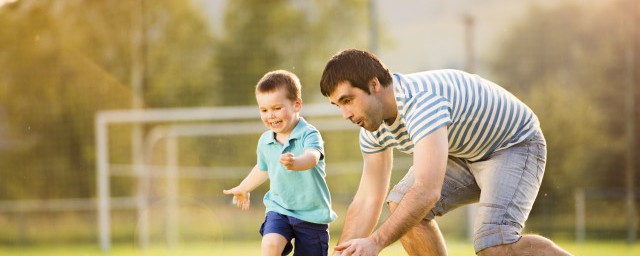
(362, 109)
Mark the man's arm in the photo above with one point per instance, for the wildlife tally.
(429, 167)
(365, 209)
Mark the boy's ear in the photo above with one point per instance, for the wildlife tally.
(297, 105)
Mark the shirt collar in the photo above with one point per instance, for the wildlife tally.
(295, 133)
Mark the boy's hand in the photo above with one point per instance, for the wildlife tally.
(241, 198)
(287, 160)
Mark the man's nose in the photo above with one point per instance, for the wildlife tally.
(346, 114)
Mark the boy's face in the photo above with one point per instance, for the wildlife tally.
(278, 113)
(362, 109)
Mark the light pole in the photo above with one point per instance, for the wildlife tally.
(137, 85)
(630, 127)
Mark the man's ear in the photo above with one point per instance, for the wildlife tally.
(374, 85)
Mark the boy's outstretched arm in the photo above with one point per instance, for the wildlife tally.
(303, 162)
(241, 192)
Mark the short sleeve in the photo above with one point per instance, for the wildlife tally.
(425, 113)
(368, 143)
(313, 140)
(262, 163)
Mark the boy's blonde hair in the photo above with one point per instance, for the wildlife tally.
(281, 79)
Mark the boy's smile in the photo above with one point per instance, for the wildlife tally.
(278, 113)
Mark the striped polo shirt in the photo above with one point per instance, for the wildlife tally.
(481, 117)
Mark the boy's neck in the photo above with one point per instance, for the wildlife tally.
(284, 136)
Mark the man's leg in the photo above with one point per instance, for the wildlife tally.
(509, 181)
(459, 188)
(527, 245)
(423, 239)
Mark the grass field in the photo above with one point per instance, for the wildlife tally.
(456, 248)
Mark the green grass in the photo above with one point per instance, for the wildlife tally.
(456, 248)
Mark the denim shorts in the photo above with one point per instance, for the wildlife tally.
(505, 184)
(310, 238)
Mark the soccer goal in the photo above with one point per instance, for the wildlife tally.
(171, 125)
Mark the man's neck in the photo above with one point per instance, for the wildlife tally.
(390, 107)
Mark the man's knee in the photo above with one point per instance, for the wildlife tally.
(392, 206)
(499, 250)
(425, 223)
(526, 245)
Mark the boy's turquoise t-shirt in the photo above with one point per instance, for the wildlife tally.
(300, 194)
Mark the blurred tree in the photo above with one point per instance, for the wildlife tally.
(261, 36)
(63, 61)
(566, 62)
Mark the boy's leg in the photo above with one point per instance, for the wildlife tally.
(276, 234)
(459, 188)
(311, 239)
(273, 244)
(509, 181)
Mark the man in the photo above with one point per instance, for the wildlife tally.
(471, 140)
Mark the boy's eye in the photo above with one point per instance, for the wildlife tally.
(263, 110)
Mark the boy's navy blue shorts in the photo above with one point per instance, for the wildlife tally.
(310, 238)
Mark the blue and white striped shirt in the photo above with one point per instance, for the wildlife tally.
(481, 117)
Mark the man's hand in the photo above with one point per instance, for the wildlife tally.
(359, 247)
(241, 198)
(287, 160)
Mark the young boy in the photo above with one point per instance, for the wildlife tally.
(291, 155)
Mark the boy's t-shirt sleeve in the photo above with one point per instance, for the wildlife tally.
(262, 163)
(313, 140)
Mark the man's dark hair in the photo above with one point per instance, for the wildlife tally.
(357, 67)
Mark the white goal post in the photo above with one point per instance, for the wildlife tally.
(181, 128)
